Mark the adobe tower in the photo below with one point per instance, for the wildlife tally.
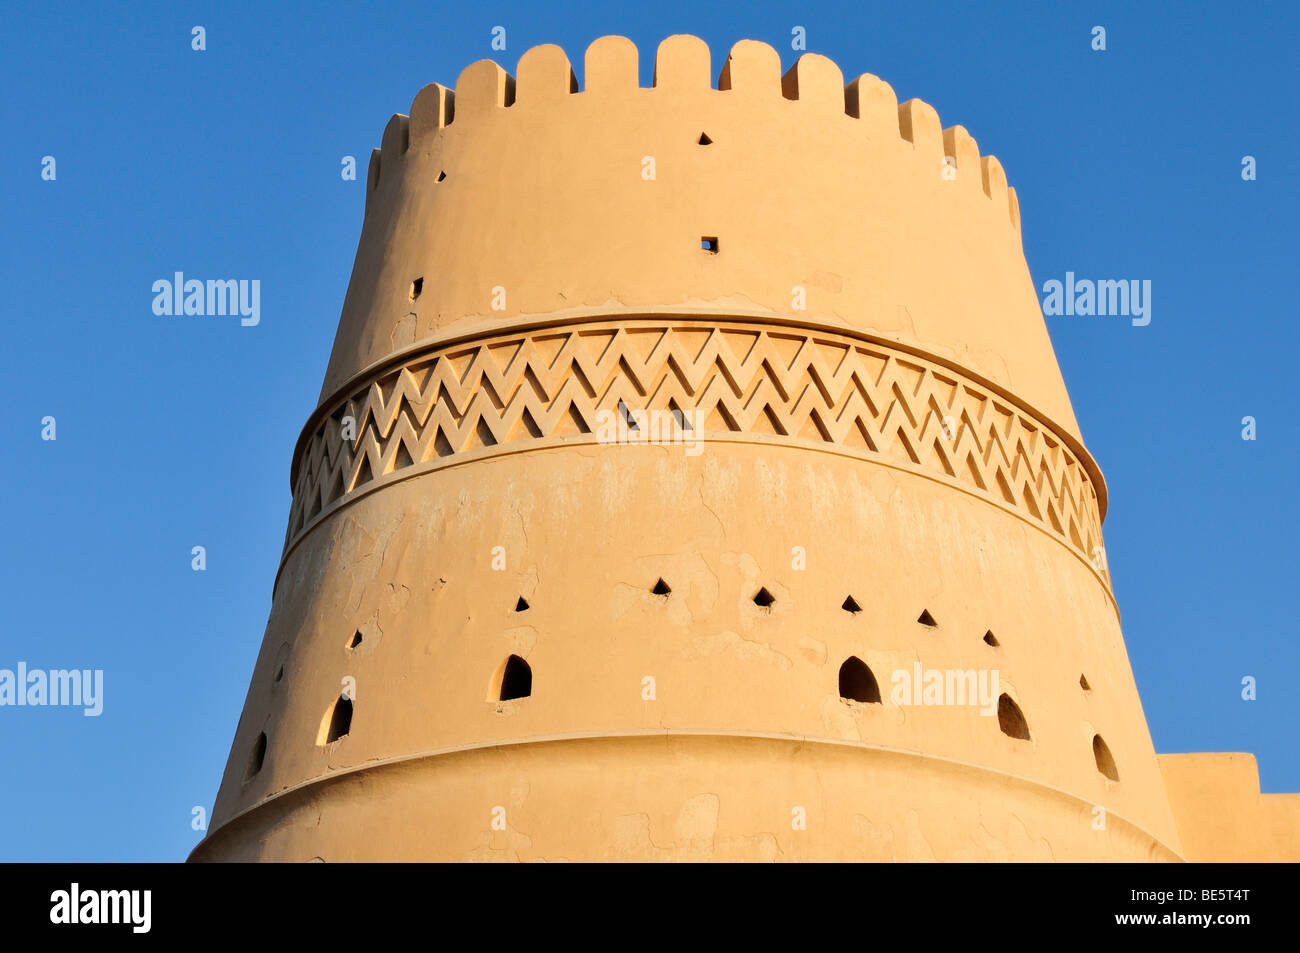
(665, 430)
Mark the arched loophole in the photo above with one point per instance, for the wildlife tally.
(516, 679)
(256, 757)
(851, 605)
(1105, 760)
(661, 588)
(1011, 719)
(990, 638)
(764, 599)
(337, 721)
(926, 619)
(857, 683)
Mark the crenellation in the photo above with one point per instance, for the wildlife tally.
(544, 74)
(919, 124)
(872, 101)
(959, 144)
(396, 136)
(610, 66)
(431, 110)
(682, 63)
(753, 70)
(817, 81)
(994, 179)
(482, 88)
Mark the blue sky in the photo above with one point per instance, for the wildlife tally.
(175, 433)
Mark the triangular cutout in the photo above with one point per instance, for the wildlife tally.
(441, 176)
(1083, 683)
(482, 437)
(364, 474)
(926, 619)
(355, 640)
(990, 638)
(851, 605)
(763, 598)
(525, 425)
(521, 605)
(570, 422)
(403, 457)
(705, 140)
(661, 588)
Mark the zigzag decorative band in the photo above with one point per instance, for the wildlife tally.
(795, 386)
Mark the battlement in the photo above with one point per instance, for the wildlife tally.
(791, 196)
(682, 65)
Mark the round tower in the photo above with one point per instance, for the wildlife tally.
(692, 477)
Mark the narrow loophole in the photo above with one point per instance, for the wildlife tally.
(990, 638)
(441, 176)
(1105, 761)
(926, 619)
(1011, 719)
(764, 599)
(851, 605)
(857, 683)
(337, 721)
(256, 757)
(661, 588)
(355, 640)
(709, 244)
(416, 287)
(1083, 683)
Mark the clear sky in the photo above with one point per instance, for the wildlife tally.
(173, 433)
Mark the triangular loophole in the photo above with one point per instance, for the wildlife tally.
(1011, 719)
(926, 619)
(355, 640)
(521, 605)
(764, 599)
(990, 638)
(661, 588)
(851, 605)
(1083, 683)
(705, 140)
